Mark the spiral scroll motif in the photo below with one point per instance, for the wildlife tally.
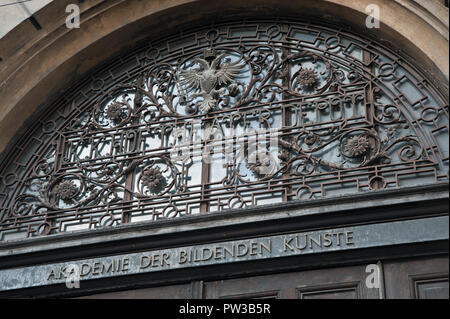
(234, 115)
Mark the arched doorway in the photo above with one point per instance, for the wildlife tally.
(180, 137)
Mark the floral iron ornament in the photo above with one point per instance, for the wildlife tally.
(152, 177)
(307, 78)
(166, 131)
(66, 189)
(357, 145)
(209, 77)
(114, 111)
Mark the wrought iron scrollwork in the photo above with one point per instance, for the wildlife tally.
(239, 115)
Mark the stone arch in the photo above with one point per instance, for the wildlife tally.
(394, 107)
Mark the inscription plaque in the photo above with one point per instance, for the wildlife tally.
(295, 244)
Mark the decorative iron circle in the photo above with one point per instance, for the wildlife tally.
(342, 106)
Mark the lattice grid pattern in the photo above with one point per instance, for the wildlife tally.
(228, 116)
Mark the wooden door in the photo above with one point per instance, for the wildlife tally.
(425, 278)
(334, 283)
(407, 278)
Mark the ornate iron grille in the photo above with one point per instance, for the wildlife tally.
(227, 116)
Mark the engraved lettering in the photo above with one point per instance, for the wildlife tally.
(226, 251)
(287, 244)
(209, 256)
(338, 238)
(290, 244)
(106, 267)
(327, 240)
(144, 262)
(253, 248)
(125, 264)
(165, 259)
(318, 241)
(218, 252)
(297, 244)
(243, 252)
(155, 260)
(349, 238)
(96, 268)
(52, 274)
(267, 247)
(85, 270)
(182, 257)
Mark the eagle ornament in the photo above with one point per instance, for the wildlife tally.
(210, 78)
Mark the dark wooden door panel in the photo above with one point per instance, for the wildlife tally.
(425, 278)
(348, 290)
(165, 292)
(431, 289)
(342, 283)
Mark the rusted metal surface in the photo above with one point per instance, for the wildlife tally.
(227, 116)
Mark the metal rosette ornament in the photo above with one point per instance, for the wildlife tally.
(114, 108)
(66, 191)
(155, 177)
(360, 147)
